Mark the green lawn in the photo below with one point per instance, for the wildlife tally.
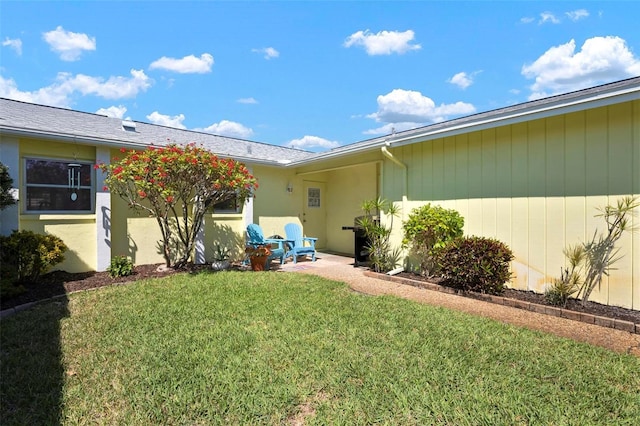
(281, 348)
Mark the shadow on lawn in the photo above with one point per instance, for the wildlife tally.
(31, 365)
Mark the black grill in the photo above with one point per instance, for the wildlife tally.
(360, 240)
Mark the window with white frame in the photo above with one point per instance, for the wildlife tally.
(58, 186)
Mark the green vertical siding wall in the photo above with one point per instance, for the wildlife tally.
(536, 186)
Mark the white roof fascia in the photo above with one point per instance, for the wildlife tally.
(519, 117)
(36, 134)
(374, 144)
(490, 120)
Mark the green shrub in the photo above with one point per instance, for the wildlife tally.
(428, 229)
(8, 285)
(475, 264)
(27, 255)
(120, 266)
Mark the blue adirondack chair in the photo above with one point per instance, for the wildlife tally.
(296, 243)
(255, 237)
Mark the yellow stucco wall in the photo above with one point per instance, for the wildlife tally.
(228, 231)
(348, 188)
(273, 205)
(536, 186)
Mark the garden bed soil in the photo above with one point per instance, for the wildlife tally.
(58, 283)
(593, 308)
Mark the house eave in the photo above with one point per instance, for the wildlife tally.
(487, 120)
(519, 116)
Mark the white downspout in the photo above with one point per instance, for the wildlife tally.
(405, 173)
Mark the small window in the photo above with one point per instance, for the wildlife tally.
(231, 205)
(58, 186)
(313, 197)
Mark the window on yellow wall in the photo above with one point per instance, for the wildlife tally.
(58, 186)
(229, 206)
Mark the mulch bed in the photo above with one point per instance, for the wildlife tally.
(59, 282)
(529, 296)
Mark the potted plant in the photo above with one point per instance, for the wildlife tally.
(258, 256)
(220, 259)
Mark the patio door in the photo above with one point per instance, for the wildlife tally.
(314, 214)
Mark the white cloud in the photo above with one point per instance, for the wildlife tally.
(247, 101)
(390, 128)
(576, 15)
(60, 92)
(13, 43)
(269, 52)
(462, 80)
(548, 17)
(51, 95)
(408, 106)
(67, 44)
(384, 42)
(113, 88)
(113, 111)
(229, 128)
(166, 120)
(312, 143)
(527, 20)
(187, 65)
(561, 69)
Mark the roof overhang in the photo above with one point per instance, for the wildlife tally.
(563, 104)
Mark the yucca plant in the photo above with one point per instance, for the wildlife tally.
(601, 252)
(569, 282)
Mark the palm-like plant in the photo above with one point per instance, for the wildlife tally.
(382, 256)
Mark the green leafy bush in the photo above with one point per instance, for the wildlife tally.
(428, 229)
(120, 266)
(26, 255)
(475, 264)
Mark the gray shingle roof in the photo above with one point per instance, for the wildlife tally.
(64, 124)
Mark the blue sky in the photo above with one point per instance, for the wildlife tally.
(310, 75)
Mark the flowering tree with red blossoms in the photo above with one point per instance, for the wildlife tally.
(175, 184)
